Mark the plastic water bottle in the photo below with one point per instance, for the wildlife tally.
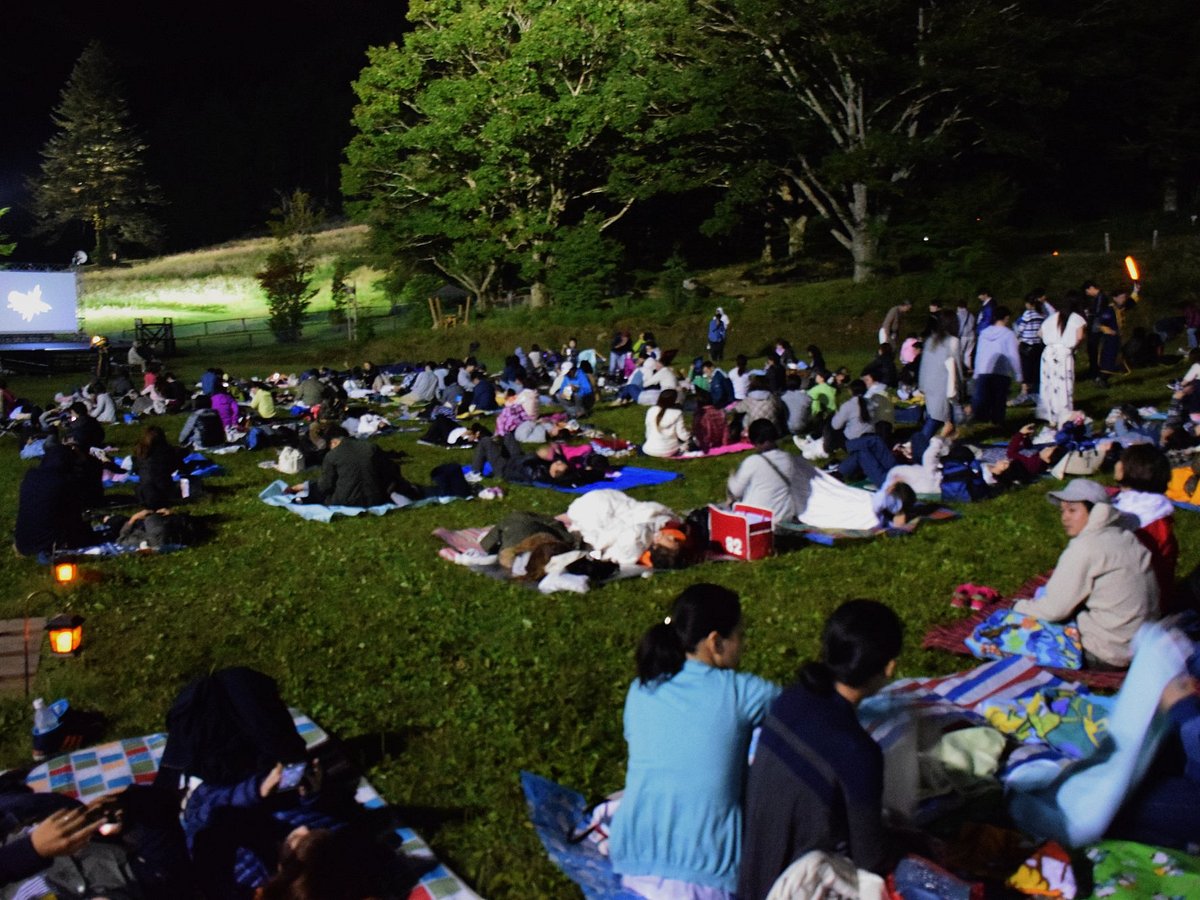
(45, 723)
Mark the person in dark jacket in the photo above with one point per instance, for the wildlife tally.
(50, 505)
(203, 427)
(483, 393)
(154, 462)
(354, 473)
(82, 429)
(817, 778)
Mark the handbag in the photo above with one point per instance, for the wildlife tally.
(291, 460)
(1078, 462)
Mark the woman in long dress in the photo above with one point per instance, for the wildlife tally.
(1061, 332)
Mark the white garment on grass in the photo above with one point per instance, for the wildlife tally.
(794, 489)
(925, 478)
(617, 527)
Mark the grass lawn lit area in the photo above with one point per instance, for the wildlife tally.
(447, 684)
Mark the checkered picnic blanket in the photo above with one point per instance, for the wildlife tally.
(107, 768)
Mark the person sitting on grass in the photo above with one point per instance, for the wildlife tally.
(423, 389)
(203, 427)
(796, 490)
(1103, 579)
(262, 402)
(155, 461)
(760, 403)
(710, 427)
(1143, 473)
(355, 473)
(816, 782)
(866, 453)
(666, 431)
(688, 720)
(50, 505)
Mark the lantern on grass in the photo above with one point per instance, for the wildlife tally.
(65, 573)
(66, 634)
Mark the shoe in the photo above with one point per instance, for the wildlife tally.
(473, 477)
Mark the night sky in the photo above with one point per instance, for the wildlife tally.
(237, 101)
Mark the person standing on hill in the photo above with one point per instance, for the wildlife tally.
(889, 331)
(718, 328)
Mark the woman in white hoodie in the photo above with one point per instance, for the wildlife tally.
(666, 430)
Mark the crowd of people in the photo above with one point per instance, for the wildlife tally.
(697, 819)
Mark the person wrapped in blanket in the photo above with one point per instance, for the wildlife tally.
(1103, 579)
(1164, 810)
(816, 782)
(796, 490)
(688, 720)
(637, 532)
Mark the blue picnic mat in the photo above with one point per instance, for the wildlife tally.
(273, 495)
(628, 477)
(556, 813)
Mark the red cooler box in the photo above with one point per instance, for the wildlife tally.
(744, 531)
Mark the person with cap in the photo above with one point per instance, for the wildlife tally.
(1103, 579)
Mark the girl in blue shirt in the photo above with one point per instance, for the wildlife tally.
(688, 720)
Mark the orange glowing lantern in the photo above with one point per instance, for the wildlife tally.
(66, 634)
(1131, 267)
(65, 573)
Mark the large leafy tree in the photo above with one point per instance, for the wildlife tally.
(865, 96)
(497, 125)
(93, 169)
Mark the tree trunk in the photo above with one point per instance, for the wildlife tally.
(864, 243)
(539, 295)
(796, 227)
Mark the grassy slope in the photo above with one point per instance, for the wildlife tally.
(453, 682)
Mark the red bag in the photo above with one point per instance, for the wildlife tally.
(744, 531)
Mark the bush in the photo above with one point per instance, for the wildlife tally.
(285, 280)
(586, 266)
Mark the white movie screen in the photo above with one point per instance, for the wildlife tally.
(37, 302)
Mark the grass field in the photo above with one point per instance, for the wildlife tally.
(448, 683)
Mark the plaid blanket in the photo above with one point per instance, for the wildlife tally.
(91, 773)
(830, 536)
(951, 637)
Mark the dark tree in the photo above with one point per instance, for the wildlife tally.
(286, 276)
(93, 169)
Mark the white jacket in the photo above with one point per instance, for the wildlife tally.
(668, 437)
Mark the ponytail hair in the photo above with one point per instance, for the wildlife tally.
(696, 613)
(858, 388)
(858, 642)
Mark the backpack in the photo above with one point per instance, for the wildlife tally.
(291, 461)
(962, 482)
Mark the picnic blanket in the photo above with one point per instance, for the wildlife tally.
(739, 447)
(557, 813)
(1127, 869)
(107, 768)
(952, 636)
(627, 478)
(466, 540)
(830, 536)
(194, 465)
(273, 495)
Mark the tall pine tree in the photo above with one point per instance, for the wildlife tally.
(93, 171)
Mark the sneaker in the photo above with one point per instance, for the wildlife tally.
(494, 492)
(473, 477)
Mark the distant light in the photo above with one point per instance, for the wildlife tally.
(1054, 253)
(65, 573)
(1131, 267)
(925, 238)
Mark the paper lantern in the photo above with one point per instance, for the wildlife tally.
(66, 634)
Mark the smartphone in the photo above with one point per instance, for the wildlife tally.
(293, 773)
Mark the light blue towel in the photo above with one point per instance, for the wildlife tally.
(1074, 804)
(273, 495)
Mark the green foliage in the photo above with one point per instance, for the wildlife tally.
(286, 276)
(93, 168)
(495, 124)
(670, 281)
(585, 265)
(6, 248)
(339, 291)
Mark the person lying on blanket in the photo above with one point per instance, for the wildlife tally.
(796, 490)
(635, 532)
(816, 782)
(1023, 462)
(688, 719)
(1103, 579)
(548, 463)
